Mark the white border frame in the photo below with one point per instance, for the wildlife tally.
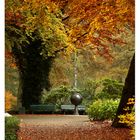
(2, 69)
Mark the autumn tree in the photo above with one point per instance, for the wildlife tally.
(34, 35)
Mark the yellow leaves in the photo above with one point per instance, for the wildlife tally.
(131, 101)
(10, 101)
(126, 109)
(53, 7)
(70, 49)
(129, 118)
(95, 25)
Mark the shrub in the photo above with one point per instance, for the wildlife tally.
(93, 90)
(103, 109)
(11, 127)
(57, 96)
(90, 87)
(88, 91)
(111, 89)
(10, 101)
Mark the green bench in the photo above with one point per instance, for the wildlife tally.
(49, 108)
(70, 108)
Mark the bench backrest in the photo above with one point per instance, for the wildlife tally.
(71, 107)
(82, 107)
(67, 107)
(42, 107)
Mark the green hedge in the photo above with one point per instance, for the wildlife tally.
(103, 109)
(11, 127)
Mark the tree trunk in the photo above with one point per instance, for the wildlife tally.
(34, 73)
(128, 92)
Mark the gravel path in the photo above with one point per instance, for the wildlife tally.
(67, 127)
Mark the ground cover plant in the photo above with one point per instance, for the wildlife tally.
(11, 128)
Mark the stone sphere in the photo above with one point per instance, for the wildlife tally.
(76, 99)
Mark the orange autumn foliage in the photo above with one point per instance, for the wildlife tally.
(98, 25)
(13, 65)
(91, 23)
(10, 101)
